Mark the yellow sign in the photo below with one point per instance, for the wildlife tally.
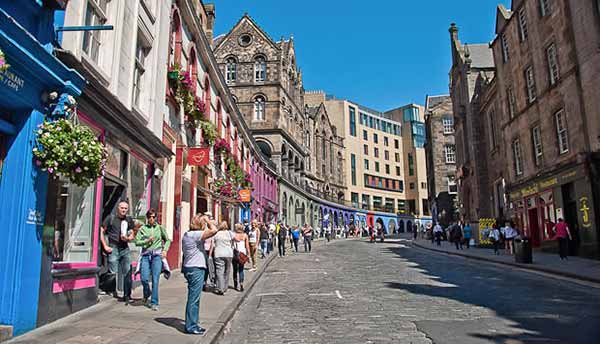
(585, 212)
(485, 225)
(548, 183)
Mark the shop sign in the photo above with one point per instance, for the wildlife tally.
(548, 183)
(544, 184)
(245, 195)
(585, 212)
(11, 80)
(35, 217)
(198, 156)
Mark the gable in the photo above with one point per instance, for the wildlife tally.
(246, 25)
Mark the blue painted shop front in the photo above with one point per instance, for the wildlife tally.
(26, 34)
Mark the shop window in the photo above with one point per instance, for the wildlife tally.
(69, 218)
(137, 192)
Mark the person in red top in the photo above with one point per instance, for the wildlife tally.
(563, 234)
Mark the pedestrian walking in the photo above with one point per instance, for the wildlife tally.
(328, 233)
(291, 228)
(155, 243)
(253, 236)
(467, 234)
(194, 268)
(223, 255)
(456, 236)
(295, 237)
(264, 241)
(563, 233)
(510, 233)
(115, 234)
(281, 238)
(210, 280)
(307, 233)
(494, 237)
(437, 233)
(241, 247)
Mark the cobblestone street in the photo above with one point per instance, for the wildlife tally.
(356, 292)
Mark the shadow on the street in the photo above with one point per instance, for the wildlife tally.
(537, 309)
(176, 323)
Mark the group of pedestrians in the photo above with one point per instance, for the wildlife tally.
(459, 233)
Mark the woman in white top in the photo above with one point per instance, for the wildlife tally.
(510, 233)
(223, 251)
(241, 245)
(494, 236)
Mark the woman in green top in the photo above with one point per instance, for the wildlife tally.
(155, 243)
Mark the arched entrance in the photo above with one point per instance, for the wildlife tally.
(400, 226)
(409, 227)
(392, 227)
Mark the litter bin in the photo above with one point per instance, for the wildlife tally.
(523, 250)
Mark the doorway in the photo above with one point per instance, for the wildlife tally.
(534, 228)
(570, 213)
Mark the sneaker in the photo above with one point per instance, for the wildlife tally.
(145, 302)
(154, 308)
(241, 287)
(199, 331)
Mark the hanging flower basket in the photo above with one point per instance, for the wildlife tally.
(3, 65)
(221, 146)
(223, 187)
(71, 150)
(209, 132)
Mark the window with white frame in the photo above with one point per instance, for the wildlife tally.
(231, 70)
(553, 70)
(530, 82)
(523, 33)
(138, 72)
(545, 7)
(452, 186)
(450, 154)
(259, 108)
(536, 140)
(510, 96)
(95, 14)
(518, 158)
(448, 123)
(260, 69)
(505, 51)
(561, 131)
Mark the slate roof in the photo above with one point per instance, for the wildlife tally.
(481, 55)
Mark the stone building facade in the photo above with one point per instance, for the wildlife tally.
(440, 152)
(550, 127)
(267, 86)
(472, 65)
(326, 168)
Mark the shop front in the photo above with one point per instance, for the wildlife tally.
(33, 74)
(536, 206)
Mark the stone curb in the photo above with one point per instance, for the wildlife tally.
(519, 265)
(215, 332)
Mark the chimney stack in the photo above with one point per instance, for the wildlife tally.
(210, 21)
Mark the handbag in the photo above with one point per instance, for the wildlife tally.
(241, 257)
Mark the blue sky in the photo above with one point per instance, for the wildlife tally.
(379, 53)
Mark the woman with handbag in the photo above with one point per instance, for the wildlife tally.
(241, 247)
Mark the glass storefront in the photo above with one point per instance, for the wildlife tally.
(71, 210)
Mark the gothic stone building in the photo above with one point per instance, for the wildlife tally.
(440, 151)
(267, 85)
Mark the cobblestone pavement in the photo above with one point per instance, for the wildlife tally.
(356, 292)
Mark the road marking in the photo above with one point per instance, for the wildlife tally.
(279, 273)
(321, 294)
(337, 292)
(271, 294)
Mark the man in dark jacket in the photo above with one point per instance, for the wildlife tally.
(456, 236)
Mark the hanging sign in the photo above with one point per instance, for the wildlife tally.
(198, 156)
(245, 195)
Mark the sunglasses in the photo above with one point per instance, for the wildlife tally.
(152, 216)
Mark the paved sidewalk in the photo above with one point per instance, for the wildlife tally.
(111, 321)
(575, 267)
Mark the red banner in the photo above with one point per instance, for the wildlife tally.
(245, 195)
(198, 156)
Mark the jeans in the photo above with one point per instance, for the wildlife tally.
(151, 263)
(264, 243)
(563, 248)
(468, 242)
(458, 243)
(238, 273)
(496, 243)
(223, 265)
(195, 280)
(296, 243)
(281, 246)
(307, 240)
(119, 261)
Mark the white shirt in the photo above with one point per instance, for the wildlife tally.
(437, 229)
(509, 232)
(494, 234)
